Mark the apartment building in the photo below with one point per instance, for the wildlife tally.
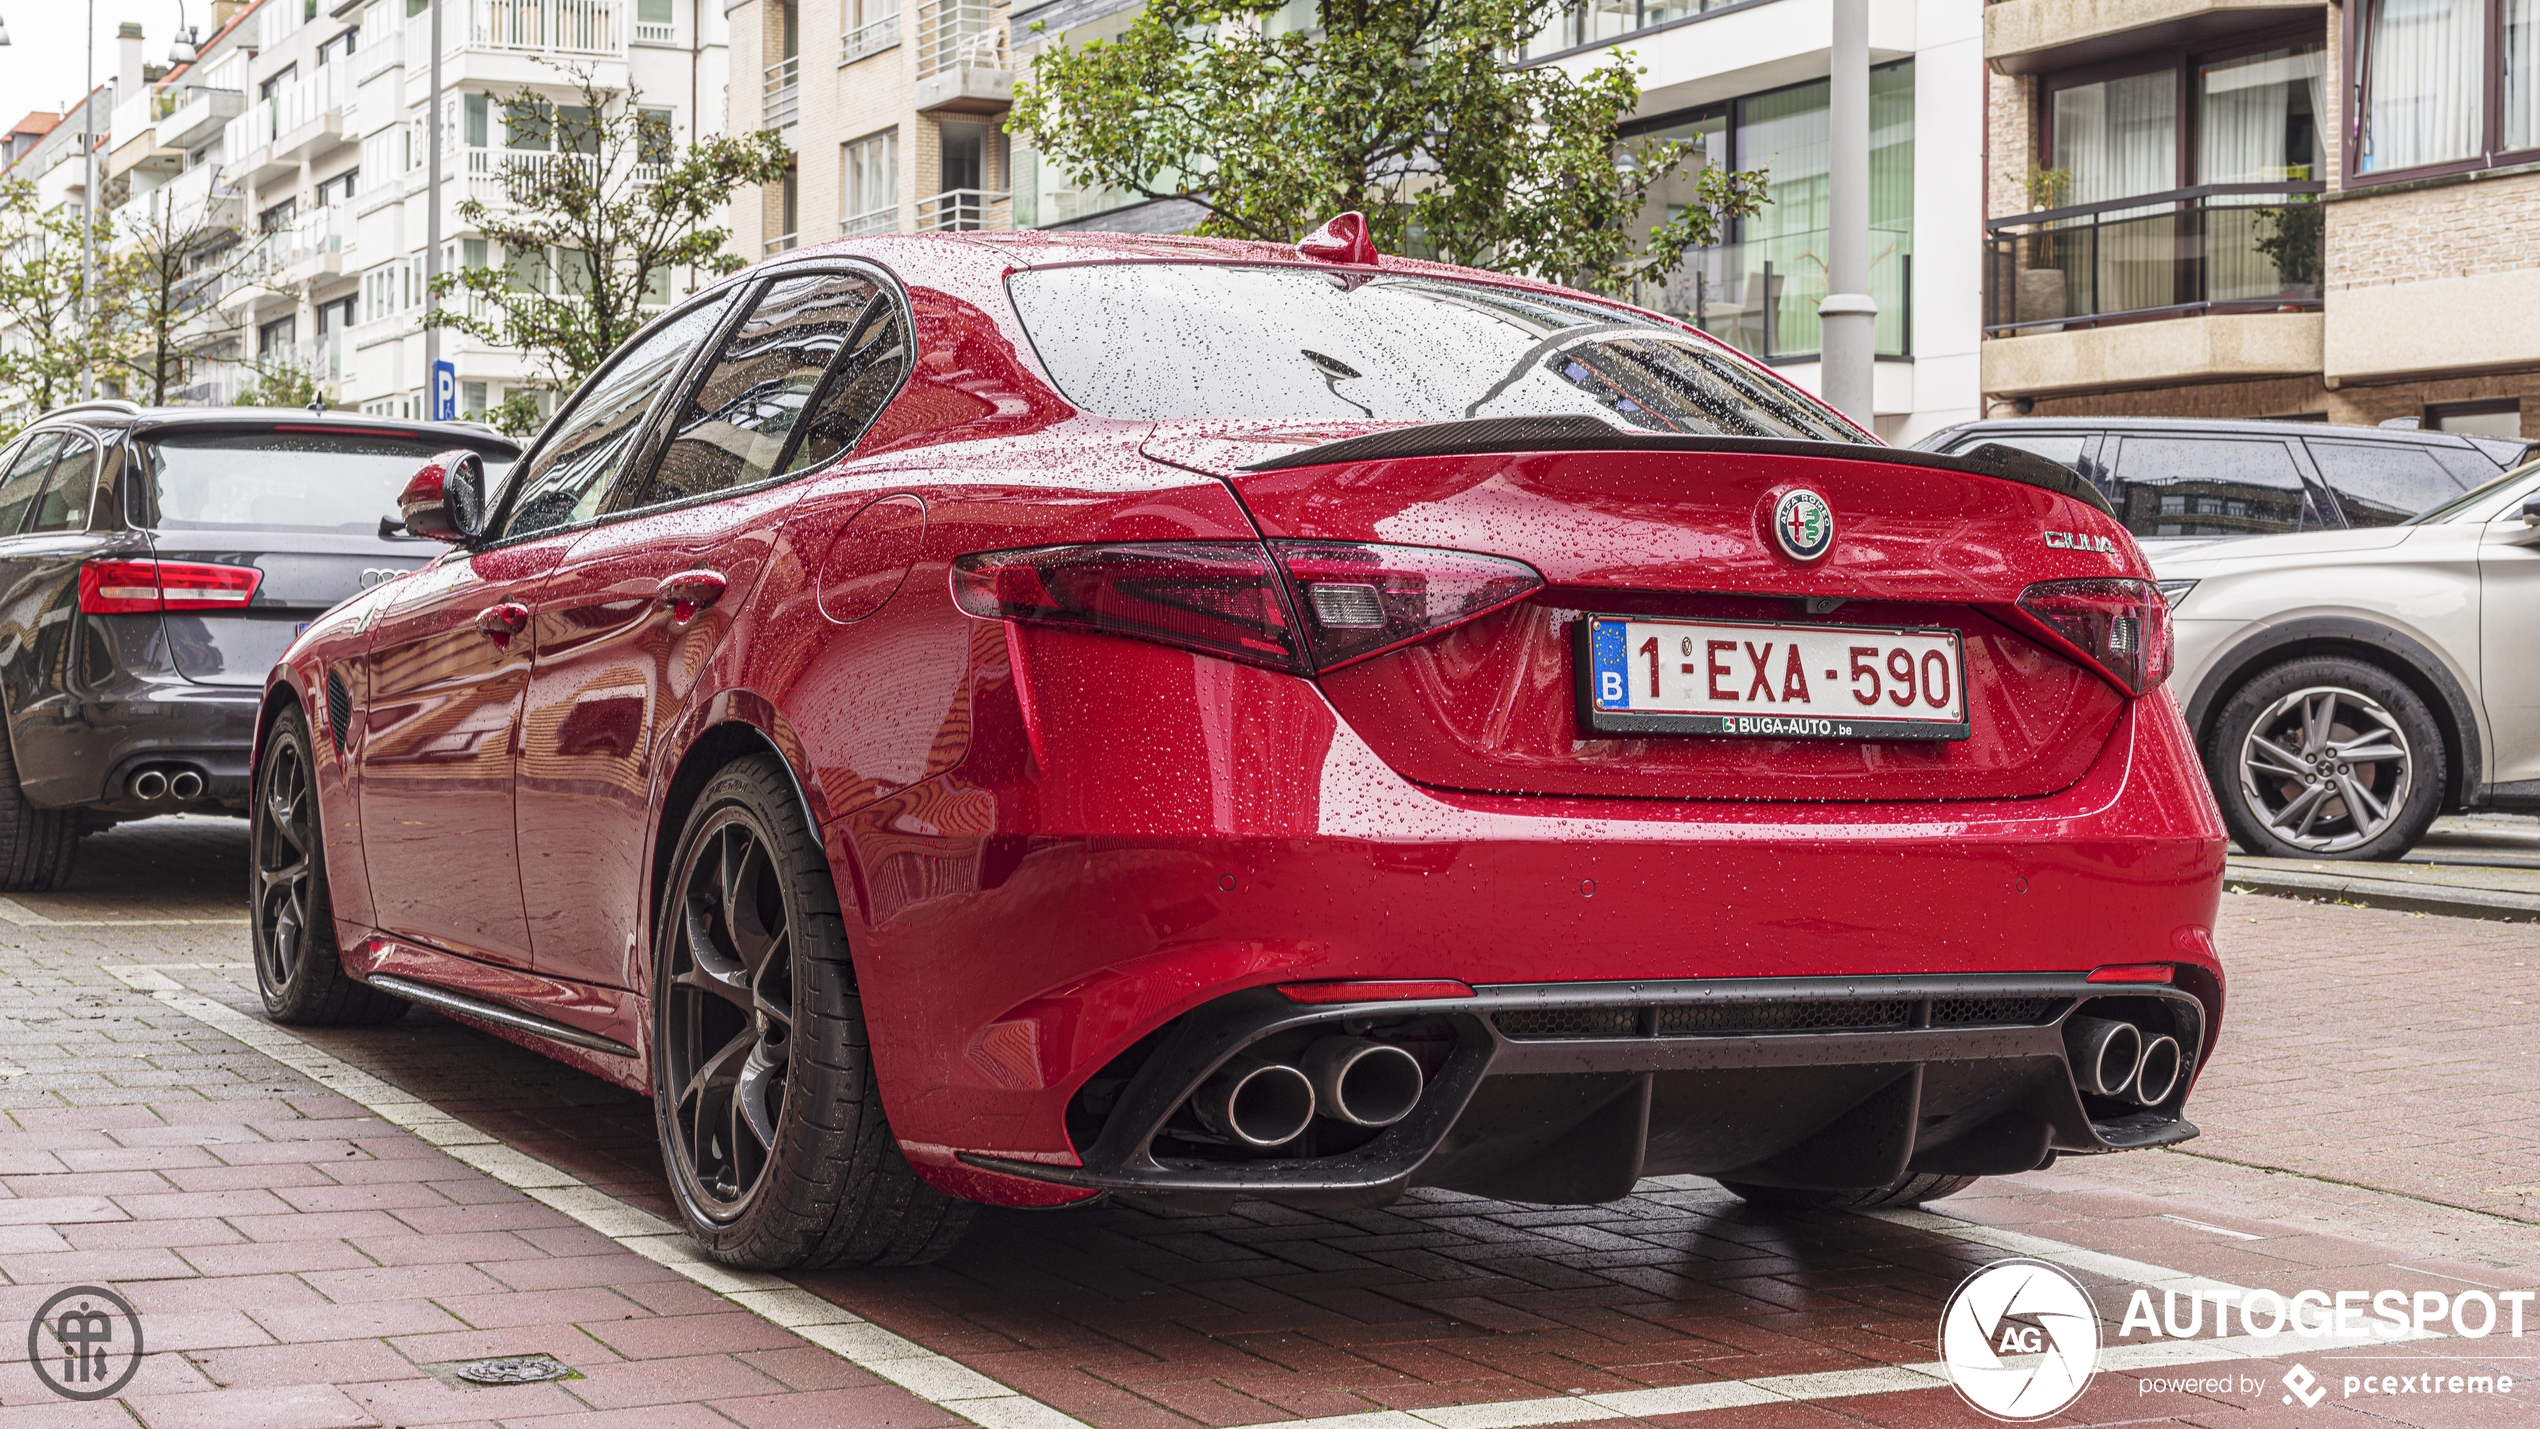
(2264, 208)
(306, 125)
(896, 118)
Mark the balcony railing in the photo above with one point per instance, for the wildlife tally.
(957, 210)
(490, 171)
(869, 39)
(587, 28)
(952, 34)
(2215, 247)
(316, 234)
(879, 220)
(784, 87)
(1760, 296)
(658, 32)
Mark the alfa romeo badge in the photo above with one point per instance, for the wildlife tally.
(1804, 524)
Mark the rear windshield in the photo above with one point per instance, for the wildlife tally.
(288, 481)
(1159, 341)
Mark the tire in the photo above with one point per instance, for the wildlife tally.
(2280, 755)
(290, 919)
(770, 1122)
(37, 846)
(1912, 1191)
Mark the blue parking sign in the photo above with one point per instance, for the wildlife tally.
(445, 391)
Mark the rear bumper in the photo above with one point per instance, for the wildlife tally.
(82, 748)
(1965, 1075)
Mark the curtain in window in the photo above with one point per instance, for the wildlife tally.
(2522, 74)
(2260, 118)
(2118, 137)
(2424, 84)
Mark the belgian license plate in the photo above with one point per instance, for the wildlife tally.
(1769, 680)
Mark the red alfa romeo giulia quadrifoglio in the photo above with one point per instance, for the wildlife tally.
(1011, 717)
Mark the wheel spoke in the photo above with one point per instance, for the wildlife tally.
(761, 1072)
(2277, 759)
(2318, 713)
(2368, 813)
(2306, 802)
(2370, 752)
(719, 1068)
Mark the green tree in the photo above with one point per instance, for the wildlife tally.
(44, 344)
(281, 384)
(1407, 110)
(184, 249)
(599, 207)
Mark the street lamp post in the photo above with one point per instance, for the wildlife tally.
(88, 219)
(432, 232)
(1848, 316)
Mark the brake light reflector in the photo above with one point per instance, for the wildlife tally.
(2118, 625)
(141, 587)
(1216, 597)
(2135, 972)
(1362, 600)
(1297, 606)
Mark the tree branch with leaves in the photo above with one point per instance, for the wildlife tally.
(185, 251)
(592, 226)
(1412, 113)
(46, 340)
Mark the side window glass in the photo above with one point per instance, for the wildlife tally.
(574, 471)
(867, 372)
(2382, 483)
(74, 486)
(25, 479)
(737, 425)
(2066, 450)
(2210, 486)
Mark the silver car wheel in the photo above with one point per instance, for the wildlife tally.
(2326, 768)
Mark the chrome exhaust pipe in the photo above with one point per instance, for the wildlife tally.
(2157, 1075)
(2105, 1054)
(1256, 1103)
(149, 784)
(185, 784)
(1364, 1083)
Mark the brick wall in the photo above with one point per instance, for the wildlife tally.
(2010, 143)
(2448, 230)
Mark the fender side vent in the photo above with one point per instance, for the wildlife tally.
(339, 709)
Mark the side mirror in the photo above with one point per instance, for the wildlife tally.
(446, 499)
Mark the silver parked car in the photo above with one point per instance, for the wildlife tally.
(2347, 686)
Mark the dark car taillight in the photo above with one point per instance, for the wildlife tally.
(1337, 602)
(141, 587)
(2117, 625)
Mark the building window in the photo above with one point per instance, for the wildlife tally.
(2117, 137)
(2429, 92)
(869, 183)
(2258, 117)
(472, 399)
(2497, 418)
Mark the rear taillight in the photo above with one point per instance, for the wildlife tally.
(129, 587)
(1298, 606)
(2118, 625)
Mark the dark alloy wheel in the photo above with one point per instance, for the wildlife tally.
(2326, 758)
(763, 1092)
(290, 920)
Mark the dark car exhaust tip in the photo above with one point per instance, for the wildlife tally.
(1257, 1103)
(149, 784)
(1364, 1083)
(2105, 1054)
(2157, 1074)
(185, 784)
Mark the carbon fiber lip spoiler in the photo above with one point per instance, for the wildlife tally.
(1483, 436)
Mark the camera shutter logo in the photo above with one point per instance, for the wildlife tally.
(2020, 1339)
(85, 1343)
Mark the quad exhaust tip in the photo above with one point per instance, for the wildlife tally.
(149, 784)
(1364, 1083)
(1256, 1103)
(2106, 1054)
(2157, 1074)
(185, 784)
(176, 782)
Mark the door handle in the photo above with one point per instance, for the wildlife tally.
(691, 591)
(499, 623)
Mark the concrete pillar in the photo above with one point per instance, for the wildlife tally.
(1849, 315)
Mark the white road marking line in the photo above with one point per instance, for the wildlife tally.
(935, 1378)
(2218, 1230)
(949, 1384)
(12, 911)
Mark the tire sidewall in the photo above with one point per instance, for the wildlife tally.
(295, 998)
(2427, 779)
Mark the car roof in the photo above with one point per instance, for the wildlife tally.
(143, 421)
(2223, 426)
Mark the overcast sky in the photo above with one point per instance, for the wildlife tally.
(42, 64)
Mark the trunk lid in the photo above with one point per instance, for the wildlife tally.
(1678, 528)
(305, 574)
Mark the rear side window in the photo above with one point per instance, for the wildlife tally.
(2210, 486)
(343, 482)
(25, 481)
(2383, 483)
(576, 469)
(2054, 448)
(1158, 341)
(72, 490)
(742, 420)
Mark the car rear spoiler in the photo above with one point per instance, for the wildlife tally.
(1485, 435)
